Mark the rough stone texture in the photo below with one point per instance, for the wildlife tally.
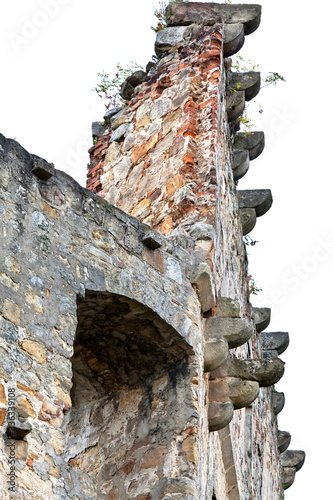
(104, 310)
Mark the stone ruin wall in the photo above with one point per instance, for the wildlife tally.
(139, 366)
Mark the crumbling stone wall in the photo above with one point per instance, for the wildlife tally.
(132, 364)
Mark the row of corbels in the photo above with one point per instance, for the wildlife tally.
(185, 22)
(274, 344)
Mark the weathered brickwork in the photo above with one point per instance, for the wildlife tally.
(132, 364)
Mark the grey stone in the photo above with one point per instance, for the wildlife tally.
(236, 331)
(248, 82)
(235, 104)
(203, 282)
(248, 219)
(6, 364)
(291, 458)
(168, 38)
(183, 14)
(219, 415)
(128, 87)
(119, 134)
(240, 163)
(126, 91)
(261, 317)
(216, 351)
(97, 129)
(254, 142)
(152, 240)
(41, 168)
(112, 112)
(227, 308)
(233, 39)
(278, 402)
(202, 231)
(19, 430)
(283, 440)
(7, 330)
(277, 341)
(240, 392)
(259, 199)
(265, 372)
(287, 476)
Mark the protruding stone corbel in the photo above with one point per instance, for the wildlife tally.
(291, 462)
(152, 240)
(259, 199)
(278, 402)
(233, 39)
(248, 82)
(223, 331)
(128, 87)
(183, 14)
(274, 344)
(261, 317)
(222, 334)
(235, 104)
(283, 440)
(240, 163)
(248, 219)
(265, 372)
(253, 142)
(41, 168)
(202, 279)
(226, 394)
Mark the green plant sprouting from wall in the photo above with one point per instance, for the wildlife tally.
(272, 78)
(109, 87)
(254, 289)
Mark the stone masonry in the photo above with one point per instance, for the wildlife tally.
(132, 363)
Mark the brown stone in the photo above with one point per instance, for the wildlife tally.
(154, 258)
(12, 311)
(2, 415)
(26, 389)
(49, 210)
(154, 458)
(3, 399)
(35, 349)
(50, 413)
(141, 207)
(174, 184)
(24, 408)
(127, 468)
(190, 447)
(167, 225)
(142, 149)
(35, 301)
(113, 494)
(19, 447)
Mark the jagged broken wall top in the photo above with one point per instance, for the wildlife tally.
(137, 313)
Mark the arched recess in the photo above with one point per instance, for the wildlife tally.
(130, 400)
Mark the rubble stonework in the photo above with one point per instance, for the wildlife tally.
(132, 364)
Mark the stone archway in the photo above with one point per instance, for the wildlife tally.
(130, 400)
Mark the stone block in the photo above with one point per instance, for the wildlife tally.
(277, 341)
(248, 219)
(41, 168)
(216, 351)
(235, 104)
(120, 132)
(219, 415)
(202, 280)
(283, 440)
(278, 402)
(152, 240)
(183, 14)
(35, 349)
(259, 199)
(240, 163)
(261, 317)
(291, 458)
(240, 392)
(227, 308)
(265, 372)
(287, 476)
(168, 38)
(253, 142)
(248, 82)
(233, 39)
(236, 331)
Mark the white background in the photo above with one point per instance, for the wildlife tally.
(49, 66)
